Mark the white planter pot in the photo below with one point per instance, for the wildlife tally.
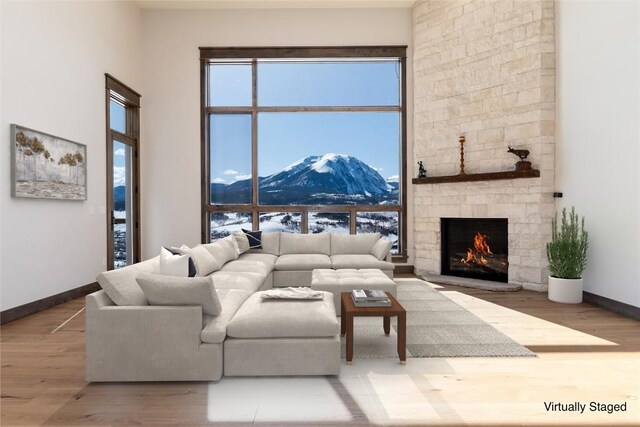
(568, 291)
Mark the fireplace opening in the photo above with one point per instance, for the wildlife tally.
(475, 248)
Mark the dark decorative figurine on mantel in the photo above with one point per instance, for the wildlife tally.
(422, 172)
(523, 164)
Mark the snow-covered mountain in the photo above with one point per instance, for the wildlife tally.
(331, 173)
(326, 179)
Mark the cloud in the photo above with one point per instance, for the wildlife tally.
(119, 152)
(393, 178)
(219, 181)
(119, 177)
(241, 177)
(231, 172)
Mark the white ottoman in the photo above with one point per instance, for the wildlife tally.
(347, 280)
(283, 337)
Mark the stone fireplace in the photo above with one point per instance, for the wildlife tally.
(485, 70)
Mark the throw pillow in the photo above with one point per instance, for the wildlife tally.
(168, 290)
(165, 253)
(173, 265)
(204, 261)
(381, 248)
(255, 238)
(223, 250)
(242, 241)
(232, 241)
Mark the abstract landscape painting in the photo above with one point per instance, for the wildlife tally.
(47, 167)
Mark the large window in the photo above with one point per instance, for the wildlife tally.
(123, 196)
(304, 140)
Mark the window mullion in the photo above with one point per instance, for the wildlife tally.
(254, 141)
(352, 221)
(331, 108)
(304, 220)
(402, 216)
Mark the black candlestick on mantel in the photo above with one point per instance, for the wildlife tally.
(461, 140)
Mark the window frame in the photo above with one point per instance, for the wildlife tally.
(119, 92)
(251, 55)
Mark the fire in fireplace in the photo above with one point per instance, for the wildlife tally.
(475, 248)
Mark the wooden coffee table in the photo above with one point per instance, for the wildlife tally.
(349, 311)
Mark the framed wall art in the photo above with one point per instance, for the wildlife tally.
(44, 166)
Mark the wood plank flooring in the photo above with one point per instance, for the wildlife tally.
(584, 354)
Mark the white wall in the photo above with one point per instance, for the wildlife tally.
(170, 150)
(598, 137)
(54, 56)
(2, 167)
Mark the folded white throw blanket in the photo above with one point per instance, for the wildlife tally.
(291, 293)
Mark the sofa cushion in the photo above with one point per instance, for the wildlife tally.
(346, 244)
(205, 262)
(381, 249)
(238, 280)
(347, 280)
(305, 262)
(223, 250)
(121, 286)
(364, 278)
(264, 258)
(242, 241)
(359, 261)
(214, 329)
(291, 243)
(172, 290)
(270, 243)
(248, 267)
(258, 318)
(172, 261)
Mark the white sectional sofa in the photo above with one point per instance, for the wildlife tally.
(130, 340)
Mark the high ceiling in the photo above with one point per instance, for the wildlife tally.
(271, 4)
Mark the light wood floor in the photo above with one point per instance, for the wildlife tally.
(584, 354)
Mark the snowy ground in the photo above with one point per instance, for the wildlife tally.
(385, 223)
(223, 224)
(329, 222)
(280, 221)
(120, 241)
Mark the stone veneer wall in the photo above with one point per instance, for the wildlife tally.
(485, 69)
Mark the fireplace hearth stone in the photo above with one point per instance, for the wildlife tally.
(466, 282)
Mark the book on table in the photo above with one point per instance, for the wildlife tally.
(370, 298)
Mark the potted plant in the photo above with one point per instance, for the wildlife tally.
(567, 256)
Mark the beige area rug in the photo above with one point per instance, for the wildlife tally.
(436, 327)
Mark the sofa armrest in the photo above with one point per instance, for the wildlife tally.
(142, 326)
(121, 337)
(388, 257)
(215, 329)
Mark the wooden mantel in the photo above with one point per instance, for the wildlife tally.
(489, 176)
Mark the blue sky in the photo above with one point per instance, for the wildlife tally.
(287, 137)
(117, 118)
(333, 84)
(283, 138)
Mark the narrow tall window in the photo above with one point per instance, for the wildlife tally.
(123, 219)
(304, 140)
